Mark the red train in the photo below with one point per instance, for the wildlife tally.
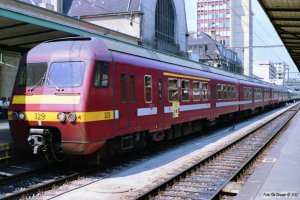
(90, 95)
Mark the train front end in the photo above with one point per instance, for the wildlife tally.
(49, 113)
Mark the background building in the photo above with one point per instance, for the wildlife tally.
(159, 24)
(213, 53)
(230, 23)
(265, 70)
(282, 73)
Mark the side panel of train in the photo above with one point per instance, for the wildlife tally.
(153, 96)
(150, 96)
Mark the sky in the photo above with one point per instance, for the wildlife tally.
(263, 35)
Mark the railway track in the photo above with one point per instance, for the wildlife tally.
(29, 182)
(206, 179)
(35, 182)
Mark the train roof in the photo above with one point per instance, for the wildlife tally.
(122, 47)
(118, 46)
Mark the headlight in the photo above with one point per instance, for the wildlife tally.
(21, 116)
(61, 117)
(72, 117)
(15, 116)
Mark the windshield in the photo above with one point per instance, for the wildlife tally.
(32, 74)
(61, 74)
(65, 74)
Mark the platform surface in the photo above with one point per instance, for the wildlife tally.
(278, 176)
(5, 136)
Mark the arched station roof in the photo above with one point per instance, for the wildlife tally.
(22, 26)
(285, 15)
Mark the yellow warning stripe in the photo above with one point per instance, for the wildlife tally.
(46, 99)
(81, 116)
(185, 76)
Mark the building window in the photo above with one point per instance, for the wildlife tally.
(148, 89)
(165, 21)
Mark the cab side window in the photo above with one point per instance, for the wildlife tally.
(101, 75)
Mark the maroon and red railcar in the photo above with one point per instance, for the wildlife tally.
(74, 95)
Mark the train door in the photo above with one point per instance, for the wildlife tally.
(125, 96)
(160, 105)
(212, 99)
(132, 100)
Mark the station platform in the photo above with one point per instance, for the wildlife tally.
(278, 176)
(6, 143)
(5, 136)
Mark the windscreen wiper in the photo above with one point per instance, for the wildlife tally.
(50, 81)
(37, 83)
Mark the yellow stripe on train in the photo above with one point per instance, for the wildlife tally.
(81, 116)
(46, 99)
(185, 76)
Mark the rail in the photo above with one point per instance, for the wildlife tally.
(207, 178)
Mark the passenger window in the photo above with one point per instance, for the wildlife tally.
(101, 75)
(196, 91)
(245, 93)
(185, 90)
(132, 87)
(229, 92)
(220, 92)
(123, 87)
(205, 91)
(173, 89)
(267, 95)
(233, 94)
(148, 88)
(225, 92)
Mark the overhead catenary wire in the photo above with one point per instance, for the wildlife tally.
(270, 36)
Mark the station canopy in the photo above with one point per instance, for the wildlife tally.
(23, 26)
(285, 15)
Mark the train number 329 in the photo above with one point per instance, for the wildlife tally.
(39, 116)
(107, 115)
